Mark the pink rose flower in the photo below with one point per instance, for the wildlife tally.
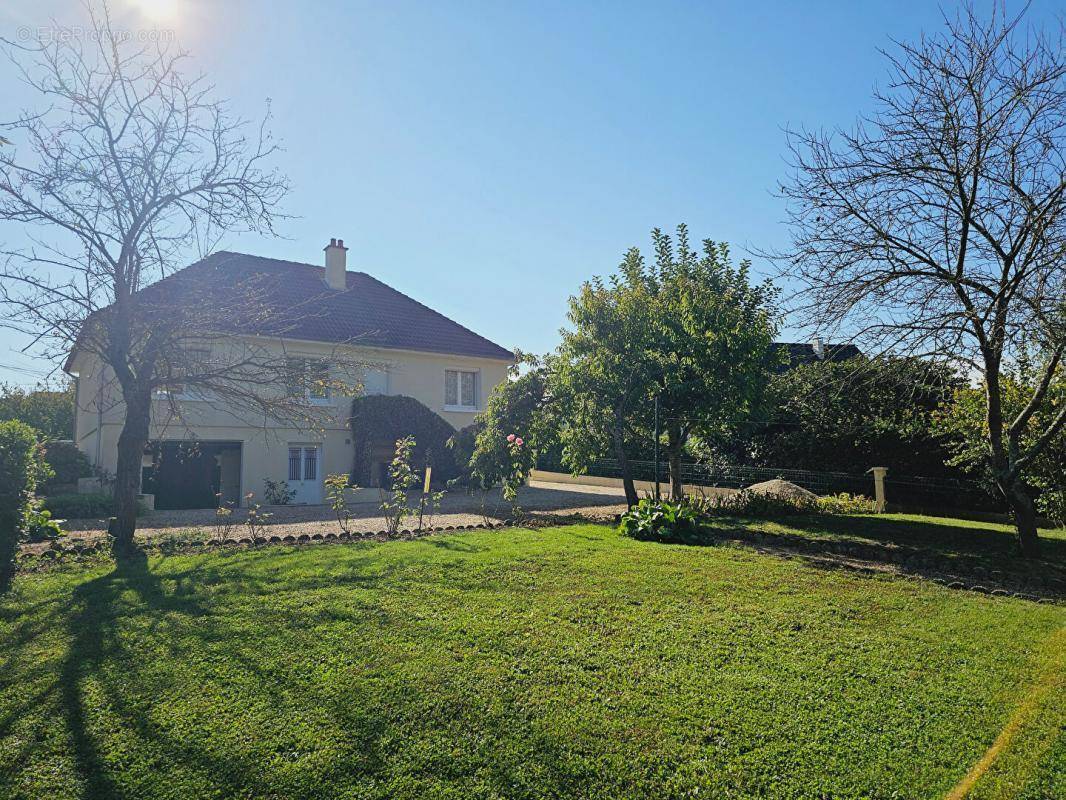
(519, 442)
(510, 437)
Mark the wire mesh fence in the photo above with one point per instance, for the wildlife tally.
(913, 492)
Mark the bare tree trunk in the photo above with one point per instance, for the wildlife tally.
(1024, 511)
(131, 444)
(623, 464)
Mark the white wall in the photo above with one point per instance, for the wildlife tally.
(265, 444)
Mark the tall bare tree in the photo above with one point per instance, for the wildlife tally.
(130, 168)
(937, 226)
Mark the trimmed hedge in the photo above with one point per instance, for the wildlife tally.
(20, 467)
(80, 506)
(67, 462)
(383, 419)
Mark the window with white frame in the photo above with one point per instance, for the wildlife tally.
(460, 390)
(375, 380)
(190, 361)
(308, 378)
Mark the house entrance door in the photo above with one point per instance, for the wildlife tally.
(303, 474)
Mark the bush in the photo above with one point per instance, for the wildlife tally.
(845, 503)
(1052, 504)
(67, 462)
(277, 493)
(662, 521)
(21, 465)
(382, 420)
(37, 523)
(80, 506)
(746, 503)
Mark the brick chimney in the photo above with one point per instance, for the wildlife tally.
(336, 265)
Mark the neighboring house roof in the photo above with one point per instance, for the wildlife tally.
(368, 313)
(804, 353)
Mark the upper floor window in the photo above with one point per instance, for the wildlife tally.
(460, 390)
(375, 380)
(191, 361)
(308, 378)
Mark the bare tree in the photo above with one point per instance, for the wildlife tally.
(936, 226)
(130, 168)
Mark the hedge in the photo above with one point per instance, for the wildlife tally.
(20, 466)
(80, 506)
(67, 462)
(383, 419)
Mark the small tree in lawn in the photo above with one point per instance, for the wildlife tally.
(394, 506)
(711, 337)
(937, 226)
(337, 486)
(690, 329)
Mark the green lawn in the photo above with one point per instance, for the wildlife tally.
(565, 662)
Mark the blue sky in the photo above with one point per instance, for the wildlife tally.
(486, 158)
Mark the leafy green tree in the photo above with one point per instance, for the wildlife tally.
(845, 416)
(963, 422)
(714, 330)
(48, 409)
(517, 407)
(689, 329)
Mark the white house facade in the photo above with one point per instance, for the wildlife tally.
(403, 347)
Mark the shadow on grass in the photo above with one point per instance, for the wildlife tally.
(938, 536)
(110, 679)
(961, 555)
(96, 609)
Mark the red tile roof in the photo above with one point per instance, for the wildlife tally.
(301, 306)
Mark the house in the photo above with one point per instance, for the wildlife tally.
(797, 353)
(211, 446)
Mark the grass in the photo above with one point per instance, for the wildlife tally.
(970, 545)
(564, 662)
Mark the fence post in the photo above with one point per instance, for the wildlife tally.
(656, 448)
(879, 487)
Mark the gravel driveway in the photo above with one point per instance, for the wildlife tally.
(458, 508)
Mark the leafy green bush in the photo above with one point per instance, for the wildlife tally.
(277, 493)
(37, 523)
(845, 503)
(21, 466)
(80, 506)
(67, 462)
(757, 504)
(662, 521)
(379, 421)
(1052, 504)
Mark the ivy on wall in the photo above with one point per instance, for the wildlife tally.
(379, 420)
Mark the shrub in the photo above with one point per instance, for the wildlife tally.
(845, 503)
(382, 420)
(21, 465)
(394, 507)
(757, 504)
(80, 506)
(337, 487)
(37, 523)
(277, 493)
(67, 462)
(1052, 504)
(662, 521)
